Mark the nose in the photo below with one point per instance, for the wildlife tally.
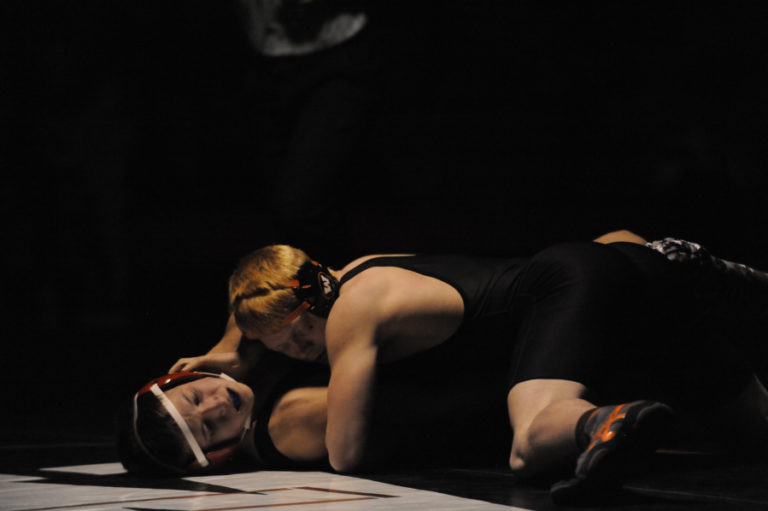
(303, 348)
(215, 406)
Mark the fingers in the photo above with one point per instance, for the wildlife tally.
(175, 368)
(215, 361)
(183, 364)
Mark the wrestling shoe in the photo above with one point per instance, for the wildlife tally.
(621, 439)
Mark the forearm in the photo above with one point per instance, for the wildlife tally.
(249, 351)
(230, 341)
(349, 401)
(346, 441)
(233, 355)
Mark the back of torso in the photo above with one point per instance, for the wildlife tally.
(439, 293)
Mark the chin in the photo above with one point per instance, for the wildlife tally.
(248, 392)
(313, 357)
(245, 391)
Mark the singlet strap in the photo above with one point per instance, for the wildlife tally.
(373, 262)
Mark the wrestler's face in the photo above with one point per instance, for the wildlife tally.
(303, 338)
(216, 409)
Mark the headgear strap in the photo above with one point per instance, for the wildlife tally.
(188, 436)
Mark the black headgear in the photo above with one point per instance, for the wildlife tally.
(316, 288)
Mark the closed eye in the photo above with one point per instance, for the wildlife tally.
(192, 398)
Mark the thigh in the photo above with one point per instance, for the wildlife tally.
(583, 314)
(703, 325)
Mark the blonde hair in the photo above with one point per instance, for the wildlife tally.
(259, 296)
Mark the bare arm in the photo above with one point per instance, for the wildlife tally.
(353, 371)
(352, 355)
(232, 354)
(297, 424)
(231, 339)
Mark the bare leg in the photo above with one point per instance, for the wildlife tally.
(543, 414)
(619, 236)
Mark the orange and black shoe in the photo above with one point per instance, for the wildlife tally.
(617, 441)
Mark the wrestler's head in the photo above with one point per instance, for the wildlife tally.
(281, 297)
(184, 423)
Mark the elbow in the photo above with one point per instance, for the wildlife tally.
(297, 424)
(346, 447)
(345, 462)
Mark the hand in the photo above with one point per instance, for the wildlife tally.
(228, 362)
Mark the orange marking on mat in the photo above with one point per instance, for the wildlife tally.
(348, 492)
(147, 499)
(283, 504)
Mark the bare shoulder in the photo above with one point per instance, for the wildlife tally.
(354, 318)
(373, 282)
(366, 303)
(383, 289)
(362, 298)
(400, 310)
(361, 260)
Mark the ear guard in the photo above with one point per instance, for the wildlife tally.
(203, 460)
(316, 288)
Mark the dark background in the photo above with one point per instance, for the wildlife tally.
(132, 177)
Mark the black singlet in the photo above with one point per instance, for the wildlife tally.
(620, 318)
